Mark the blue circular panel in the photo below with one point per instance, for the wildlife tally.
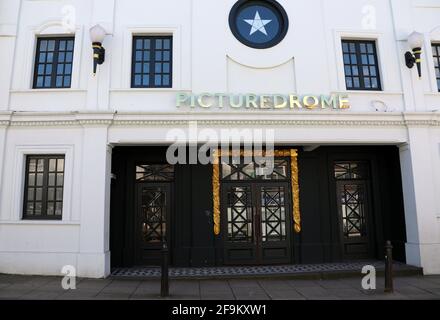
(258, 24)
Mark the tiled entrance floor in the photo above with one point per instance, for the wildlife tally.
(326, 270)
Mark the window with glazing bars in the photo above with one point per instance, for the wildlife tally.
(355, 170)
(53, 63)
(436, 53)
(44, 187)
(152, 62)
(361, 65)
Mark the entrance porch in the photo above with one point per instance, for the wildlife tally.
(350, 202)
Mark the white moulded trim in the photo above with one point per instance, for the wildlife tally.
(263, 64)
(426, 3)
(304, 117)
(430, 38)
(8, 30)
(127, 53)
(376, 36)
(375, 93)
(127, 90)
(41, 222)
(19, 178)
(38, 91)
(52, 27)
(308, 118)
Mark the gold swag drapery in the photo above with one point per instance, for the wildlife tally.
(292, 153)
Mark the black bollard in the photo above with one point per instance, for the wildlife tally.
(164, 284)
(389, 287)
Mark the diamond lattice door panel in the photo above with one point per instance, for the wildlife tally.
(353, 208)
(153, 217)
(152, 221)
(240, 215)
(256, 223)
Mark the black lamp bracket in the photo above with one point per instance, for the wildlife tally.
(98, 55)
(414, 58)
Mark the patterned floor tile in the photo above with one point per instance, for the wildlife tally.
(210, 272)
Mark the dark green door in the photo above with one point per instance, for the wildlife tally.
(256, 223)
(152, 223)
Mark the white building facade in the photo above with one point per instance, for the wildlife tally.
(74, 121)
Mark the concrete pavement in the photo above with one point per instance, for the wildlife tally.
(49, 288)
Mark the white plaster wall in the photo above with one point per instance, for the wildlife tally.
(242, 78)
(39, 247)
(27, 237)
(204, 48)
(207, 58)
(22, 141)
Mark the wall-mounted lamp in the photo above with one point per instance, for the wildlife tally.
(97, 35)
(415, 42)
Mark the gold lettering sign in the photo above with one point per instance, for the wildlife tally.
(262, 102)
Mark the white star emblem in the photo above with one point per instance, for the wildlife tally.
(257, 24)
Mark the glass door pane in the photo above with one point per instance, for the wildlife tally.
(153, 220)
(273, 214)
(240, 214)
(353, 210)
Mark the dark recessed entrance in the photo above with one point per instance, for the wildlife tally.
(350, 201)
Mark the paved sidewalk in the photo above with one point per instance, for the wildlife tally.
(49, 288)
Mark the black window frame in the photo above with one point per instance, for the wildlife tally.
(152, 61)
(55, 63)
(436, 57)
(360, 65)
(45, 187)
(354, 170)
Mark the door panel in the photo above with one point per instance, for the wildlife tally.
(152, 221)
(274, 213)
(256, 217)
(238, 221)
(353, 209)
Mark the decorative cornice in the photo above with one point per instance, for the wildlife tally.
(141, 120)
(57, 123)
(305, 122)
(422, 123)
(51, 123)
(95, 122)
(5, 118)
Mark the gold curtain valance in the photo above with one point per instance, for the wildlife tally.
(292, 153)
